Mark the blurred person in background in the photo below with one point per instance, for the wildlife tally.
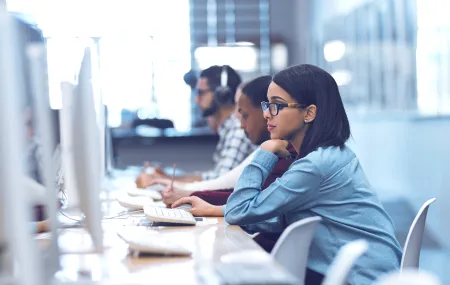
(34, 171)
(216, 89)
(214, 193)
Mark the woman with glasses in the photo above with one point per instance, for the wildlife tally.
(209, 203)
(326, 180)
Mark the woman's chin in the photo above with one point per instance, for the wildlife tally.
(274, 136)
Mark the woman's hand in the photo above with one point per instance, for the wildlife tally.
(145, 180)
(43, 226)
(199, 207)
(170, 195)
(277, 147)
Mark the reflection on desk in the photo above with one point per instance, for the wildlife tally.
(208, 243)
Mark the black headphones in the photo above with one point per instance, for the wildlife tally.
(223, 93)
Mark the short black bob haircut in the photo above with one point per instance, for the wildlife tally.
(311, 85)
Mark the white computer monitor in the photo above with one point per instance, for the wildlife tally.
(46, 131)
(65, 123)
(86, 150)
(82, 149)
(109, 151)
(16, 215)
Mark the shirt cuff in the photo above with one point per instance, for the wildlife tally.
(266, 159)
(33, 227)
(209, 175)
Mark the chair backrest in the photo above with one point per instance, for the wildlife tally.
(408, 277)
(343, 262)
(413, 243)
(292, 248)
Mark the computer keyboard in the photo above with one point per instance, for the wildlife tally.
(253, 274)
(164, 215)
(151, 243)
(247, 256)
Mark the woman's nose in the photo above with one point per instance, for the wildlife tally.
(267, 114)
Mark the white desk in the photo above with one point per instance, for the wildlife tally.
(116, 266)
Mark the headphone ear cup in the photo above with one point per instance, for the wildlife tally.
(223, 94)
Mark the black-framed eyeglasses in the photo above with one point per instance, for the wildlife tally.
(274, 108)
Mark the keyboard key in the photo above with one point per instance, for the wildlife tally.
(176, 216)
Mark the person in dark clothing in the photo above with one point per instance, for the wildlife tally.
(208, 203)
(253, 124)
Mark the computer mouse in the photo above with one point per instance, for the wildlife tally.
(136, 192)
(246, 256)
(185, 207)
(134, 203)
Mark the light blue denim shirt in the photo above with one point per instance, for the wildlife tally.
(329, 183)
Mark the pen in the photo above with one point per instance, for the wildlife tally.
(173, 176)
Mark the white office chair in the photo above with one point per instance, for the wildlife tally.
(343, 262)
(413, 243)
(292, 248)
(408, 277)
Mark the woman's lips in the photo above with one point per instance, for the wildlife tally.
(270, 127)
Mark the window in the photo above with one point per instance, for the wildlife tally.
(236, 33)
(433, 57)
(370, 51)
(143, 52)
(64, 57)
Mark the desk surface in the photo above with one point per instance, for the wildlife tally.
(117, 266)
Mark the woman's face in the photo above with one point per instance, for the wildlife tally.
(252, 120)
(290, 121)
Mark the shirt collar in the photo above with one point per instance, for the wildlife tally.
(226, 125)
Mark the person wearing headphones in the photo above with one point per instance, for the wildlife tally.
(216, 88)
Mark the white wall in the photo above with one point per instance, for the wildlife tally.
(408, 157)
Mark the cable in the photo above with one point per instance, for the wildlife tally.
(123, 214)
(73, 219)
(104, 218)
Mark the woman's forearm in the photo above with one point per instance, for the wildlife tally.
(216, 211)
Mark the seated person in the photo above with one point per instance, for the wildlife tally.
(39, 227)
(215, 96)
(208, 203)
(229, 179)
(327, 180)
(255, 126)
(34, 168)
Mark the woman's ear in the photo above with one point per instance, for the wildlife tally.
(310, 115)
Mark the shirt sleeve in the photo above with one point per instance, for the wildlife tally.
(224, 181)
(217, 197)
(294, 190)
(235, 149)
(33, 227)
(273, 225)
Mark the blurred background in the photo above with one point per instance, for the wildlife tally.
(390, 58)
